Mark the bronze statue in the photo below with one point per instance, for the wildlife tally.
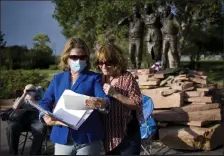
(161, 9)
(153, 35)
(136, 32)
(170, 30)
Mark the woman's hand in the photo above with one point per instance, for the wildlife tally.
(108, 89)
(52, 121)
(94, 102)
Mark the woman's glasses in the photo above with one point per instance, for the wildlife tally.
(106, 63)
(77, 57)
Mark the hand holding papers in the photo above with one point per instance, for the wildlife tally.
(51, 116)
(71, 109)
(94, 102)
(50, 121)
(83, 102)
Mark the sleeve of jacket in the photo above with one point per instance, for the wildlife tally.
(99, 92)
(48, 99)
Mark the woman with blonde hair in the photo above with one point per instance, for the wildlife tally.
(121, 125)
(76, 77)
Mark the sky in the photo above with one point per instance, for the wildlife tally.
(22, 20)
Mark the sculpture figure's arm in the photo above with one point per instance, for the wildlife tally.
(178, 26)
(124, 21)
(180, 29)
(159, 21)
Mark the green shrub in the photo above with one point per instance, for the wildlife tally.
(11, 80)
(53, 67)
(3, 68)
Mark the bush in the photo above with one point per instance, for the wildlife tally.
(12, 80)
(53, 67)
(4, 68)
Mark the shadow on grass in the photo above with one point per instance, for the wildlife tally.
(216, 77)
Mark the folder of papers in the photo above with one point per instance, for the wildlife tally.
(78, 114)
(70, 109)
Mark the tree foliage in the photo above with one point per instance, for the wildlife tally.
(201, 21)
(42, 51)
(92, 19)
(12, 80)
(20, 57)
(2, 41)
(41, 41)
(96, 21)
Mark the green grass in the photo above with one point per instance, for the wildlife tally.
(213, 69)
(217, 77)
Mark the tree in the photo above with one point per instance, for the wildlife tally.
(96, 21)
(14, 57)
(41, 40)
(2, 45)
(2, 41)
(42, 54)
(202, 24)
(92, 19)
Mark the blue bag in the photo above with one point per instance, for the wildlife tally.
(149, 124)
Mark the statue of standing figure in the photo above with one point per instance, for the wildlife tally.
(153, 35)
(170, 30)
(162, 31)
(136, 32)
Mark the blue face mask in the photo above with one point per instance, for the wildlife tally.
(78, 65)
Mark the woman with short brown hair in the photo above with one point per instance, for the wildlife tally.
(121, 125)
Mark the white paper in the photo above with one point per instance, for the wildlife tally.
(73, 117)
(47, 112)
(75, 101)
(88, 112)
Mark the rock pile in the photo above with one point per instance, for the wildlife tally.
(186, 107)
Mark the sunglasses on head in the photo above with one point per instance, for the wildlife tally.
(106, 63)
(77, 57)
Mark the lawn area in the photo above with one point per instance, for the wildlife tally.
(217, 77)
(213, 69)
